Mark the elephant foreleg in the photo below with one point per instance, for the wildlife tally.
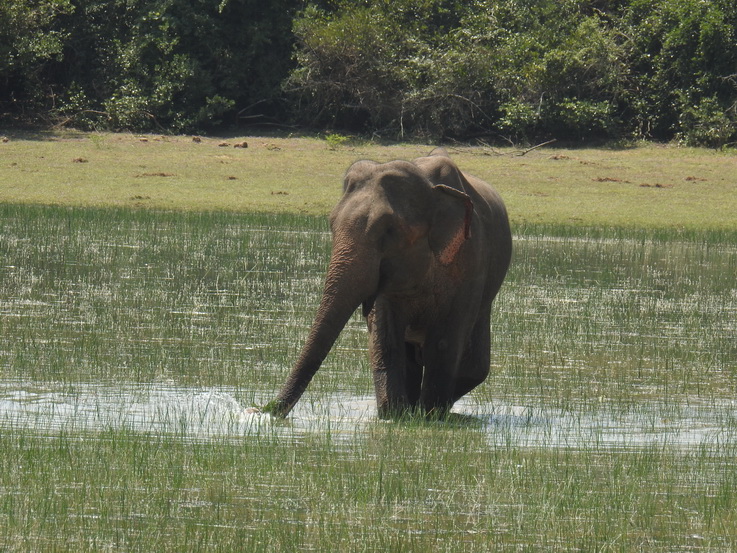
(388, 362)
(442, 357)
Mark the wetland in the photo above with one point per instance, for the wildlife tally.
(133, 341)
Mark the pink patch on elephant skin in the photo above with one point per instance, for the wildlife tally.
(463, 233)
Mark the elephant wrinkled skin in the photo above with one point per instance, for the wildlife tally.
(423, 248)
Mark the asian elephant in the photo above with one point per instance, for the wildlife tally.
(423, 248)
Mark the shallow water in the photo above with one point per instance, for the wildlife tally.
(199, 414)
(620, 341)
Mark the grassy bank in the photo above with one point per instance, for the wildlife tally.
(648, 186)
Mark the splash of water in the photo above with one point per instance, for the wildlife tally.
(210, 413)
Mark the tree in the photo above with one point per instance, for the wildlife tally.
(174, 64)
(30, 37)
(504, 66)
(683, 64)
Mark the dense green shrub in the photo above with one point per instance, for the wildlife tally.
(145, 64)
(520, 70)
(682, 56)
(30, 37)
(509, 66)
(707, 123)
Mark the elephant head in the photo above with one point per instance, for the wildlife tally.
(393, 224)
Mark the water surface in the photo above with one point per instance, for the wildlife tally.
(200, 414)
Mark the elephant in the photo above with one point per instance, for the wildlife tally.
(423, 248)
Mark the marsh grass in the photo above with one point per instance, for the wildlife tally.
(125, 293)
(596, 332)
(621, 316)
(398, 488)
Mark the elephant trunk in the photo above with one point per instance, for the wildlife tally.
(352, 277)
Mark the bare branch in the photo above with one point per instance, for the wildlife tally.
(528, 150)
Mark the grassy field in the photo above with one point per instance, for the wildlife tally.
(646, 186)
(133, 338)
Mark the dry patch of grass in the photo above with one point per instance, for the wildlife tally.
(650, 186)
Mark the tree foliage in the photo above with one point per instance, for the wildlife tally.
(29, 38)
(682, 55)
(522, 69)
(515, 69)
(145, 64)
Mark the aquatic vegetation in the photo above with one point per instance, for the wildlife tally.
(133, 340)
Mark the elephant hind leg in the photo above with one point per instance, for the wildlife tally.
(465, 385)
(475, 362)
(414, 367)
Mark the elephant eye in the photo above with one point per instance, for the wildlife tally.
(382, 229)
(390, 237)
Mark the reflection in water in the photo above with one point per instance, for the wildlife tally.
(205, 414)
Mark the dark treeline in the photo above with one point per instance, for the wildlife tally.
(506, 69)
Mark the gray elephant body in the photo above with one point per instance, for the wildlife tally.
(424, 249)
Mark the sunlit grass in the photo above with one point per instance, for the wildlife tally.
(213, 298)
(647, 186)
(619, 316)
(398, 488)
(150, 296)
(609, 346)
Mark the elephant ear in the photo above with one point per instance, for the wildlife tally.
(451, 225)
